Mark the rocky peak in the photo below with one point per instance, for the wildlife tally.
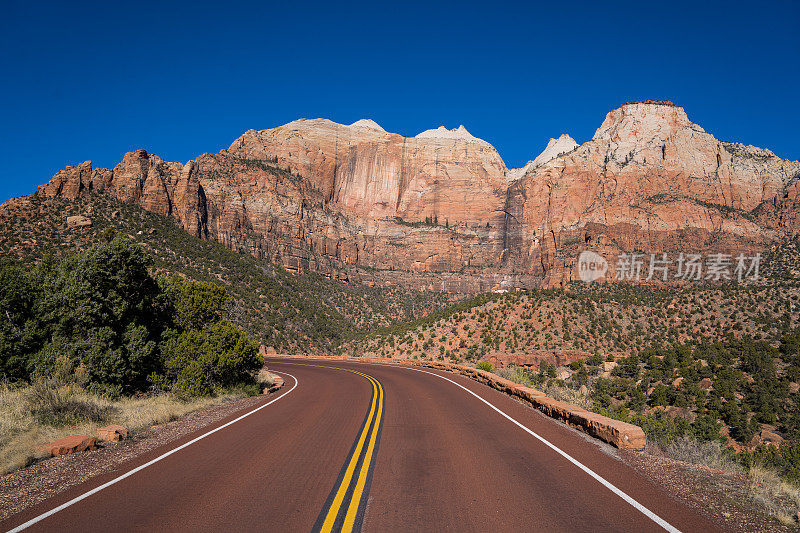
(368, 124)
(642, 122)
(456, 133)
(555, 148)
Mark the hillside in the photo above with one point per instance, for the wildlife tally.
(563, 325)
(709, 361)
(290, 313)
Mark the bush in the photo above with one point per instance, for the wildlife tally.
(20, 331)
(709, 453)
(202, 362)
(196, 304)
(485, 365)
(102, 309)
(516, 374)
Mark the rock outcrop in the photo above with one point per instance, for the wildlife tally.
(441, 209)
(67, 445)
(649, 180)
(78, 222)
(112, 433)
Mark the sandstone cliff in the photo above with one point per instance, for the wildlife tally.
(555, 147)
(357, 202)
(649, 180)
(444, 174)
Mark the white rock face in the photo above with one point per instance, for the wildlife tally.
(367, 123)
(555, 147)
(443, 133)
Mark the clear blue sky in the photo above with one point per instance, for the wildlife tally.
(96, 81)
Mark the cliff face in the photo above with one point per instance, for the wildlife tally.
(649, 180)
(373, 174)
(358, 202)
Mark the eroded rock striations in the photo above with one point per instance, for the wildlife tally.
(649, 180)
(442, 209)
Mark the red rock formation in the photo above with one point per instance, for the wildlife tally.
(112, 433)
(534, 358)
(370, 173)
(316, 195)
(648, 180)
(73, 181)
(67, 445)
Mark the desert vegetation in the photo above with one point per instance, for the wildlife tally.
(101, 317)
(292, 313)
(93, 338)
(603, 320)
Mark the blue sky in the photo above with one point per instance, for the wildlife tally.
(96, 81)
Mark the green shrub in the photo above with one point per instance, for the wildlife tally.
(785, 459)
(202, 362)
(196, 304)
(101, 309)
(485, 365)
(20, 330)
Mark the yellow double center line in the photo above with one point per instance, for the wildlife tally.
(344, 508)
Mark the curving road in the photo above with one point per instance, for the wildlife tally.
(372, 447)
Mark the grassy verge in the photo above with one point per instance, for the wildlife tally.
(779, 498)
(43, 412)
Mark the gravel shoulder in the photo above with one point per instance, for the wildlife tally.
(720, 495)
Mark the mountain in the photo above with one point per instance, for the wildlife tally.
(555, 147)
(653, 181)
(442, 211)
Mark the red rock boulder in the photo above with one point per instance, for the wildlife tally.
(71, 444)
(112, 433)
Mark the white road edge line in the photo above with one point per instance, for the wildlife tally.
(636, 505)
(95, 490)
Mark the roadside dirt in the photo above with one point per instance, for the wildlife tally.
(44, 479)
(723, 496)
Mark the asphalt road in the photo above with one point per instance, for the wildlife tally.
(375, 448)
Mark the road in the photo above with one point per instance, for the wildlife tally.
(372, 448)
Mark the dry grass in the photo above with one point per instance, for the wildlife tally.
(779, 498)
(513, 373)
(265, 379)
(568, 395)
(765, 488)
(46, 411)
(690, 450)
(555, 391)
